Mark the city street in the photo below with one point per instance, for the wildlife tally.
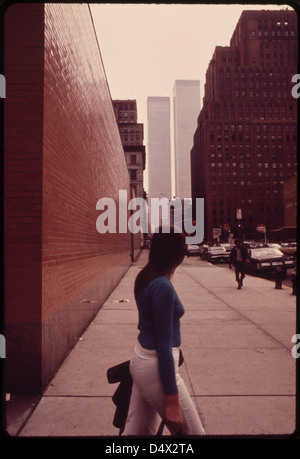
(238, 364)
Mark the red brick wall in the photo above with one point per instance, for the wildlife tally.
(62, 154)
(83, 159)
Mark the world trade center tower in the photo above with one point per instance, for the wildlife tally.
(186, 109)
(159, 148)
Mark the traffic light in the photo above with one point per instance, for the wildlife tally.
(193, 232)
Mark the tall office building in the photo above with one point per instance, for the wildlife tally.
(186, 108)
(132, 136)
(159, 147)
(245, 145)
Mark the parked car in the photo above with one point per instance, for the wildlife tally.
(268, 259)
(274, 245)
(228, 247)
(202, 251)
(251, 244)
(214, 254)
(289, 248)
(192, 250)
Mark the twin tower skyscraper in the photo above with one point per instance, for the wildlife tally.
(170, 175)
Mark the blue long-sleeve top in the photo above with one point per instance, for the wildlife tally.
(159, 324)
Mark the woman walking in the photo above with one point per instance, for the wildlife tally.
(158, 390)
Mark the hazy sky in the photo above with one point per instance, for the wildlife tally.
(146, 47)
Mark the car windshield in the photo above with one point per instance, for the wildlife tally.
(266, 253)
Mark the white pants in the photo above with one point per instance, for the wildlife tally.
(147, 403)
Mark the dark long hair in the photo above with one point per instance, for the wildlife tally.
(167, 251)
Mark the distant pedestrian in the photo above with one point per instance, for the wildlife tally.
(158, 390)
(238, 258)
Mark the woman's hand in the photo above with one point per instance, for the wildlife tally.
(173, 415)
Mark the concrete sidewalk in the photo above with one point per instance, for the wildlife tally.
(237, 349)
